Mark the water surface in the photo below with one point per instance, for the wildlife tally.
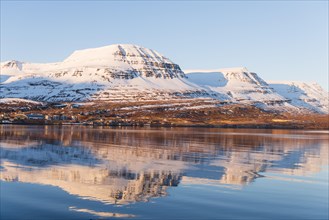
(73, 172)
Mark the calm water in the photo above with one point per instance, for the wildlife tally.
(50, 172)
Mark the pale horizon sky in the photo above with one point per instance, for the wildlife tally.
(279, 40)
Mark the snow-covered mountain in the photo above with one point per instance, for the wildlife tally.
(237, 84)
(308, 95)
(247, 87)
(124, 72)
(115, 72)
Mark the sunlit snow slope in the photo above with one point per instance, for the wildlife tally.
(247, 87)
(307, 95)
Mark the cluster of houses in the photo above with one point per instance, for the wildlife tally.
(38, 118)
(35, 117)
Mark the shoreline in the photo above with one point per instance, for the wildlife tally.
(236, 126)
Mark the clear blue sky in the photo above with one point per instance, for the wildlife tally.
(279, 40)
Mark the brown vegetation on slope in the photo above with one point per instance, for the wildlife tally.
(178, 113)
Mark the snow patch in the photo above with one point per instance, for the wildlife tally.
(18, 100)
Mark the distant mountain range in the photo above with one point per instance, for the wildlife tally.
(132, 73)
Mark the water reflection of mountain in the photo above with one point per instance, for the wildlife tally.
(125, 165)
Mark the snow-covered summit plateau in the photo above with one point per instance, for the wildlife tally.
(124, 72)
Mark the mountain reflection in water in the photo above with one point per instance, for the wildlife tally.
(124, 165)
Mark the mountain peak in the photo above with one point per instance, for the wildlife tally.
(116, 53)
(14, 64)
(235, 75)
(234, 70)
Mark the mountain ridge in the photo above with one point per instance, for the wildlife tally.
(126, 72)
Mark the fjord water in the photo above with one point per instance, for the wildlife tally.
(78, 172)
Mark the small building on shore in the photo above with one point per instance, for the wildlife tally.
(20, 117)
(56, 117)
(34, 116)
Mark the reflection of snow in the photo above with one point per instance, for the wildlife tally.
(138, 165)
(96, 183)
(15, 144)
(46, 154)
(102, 214)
